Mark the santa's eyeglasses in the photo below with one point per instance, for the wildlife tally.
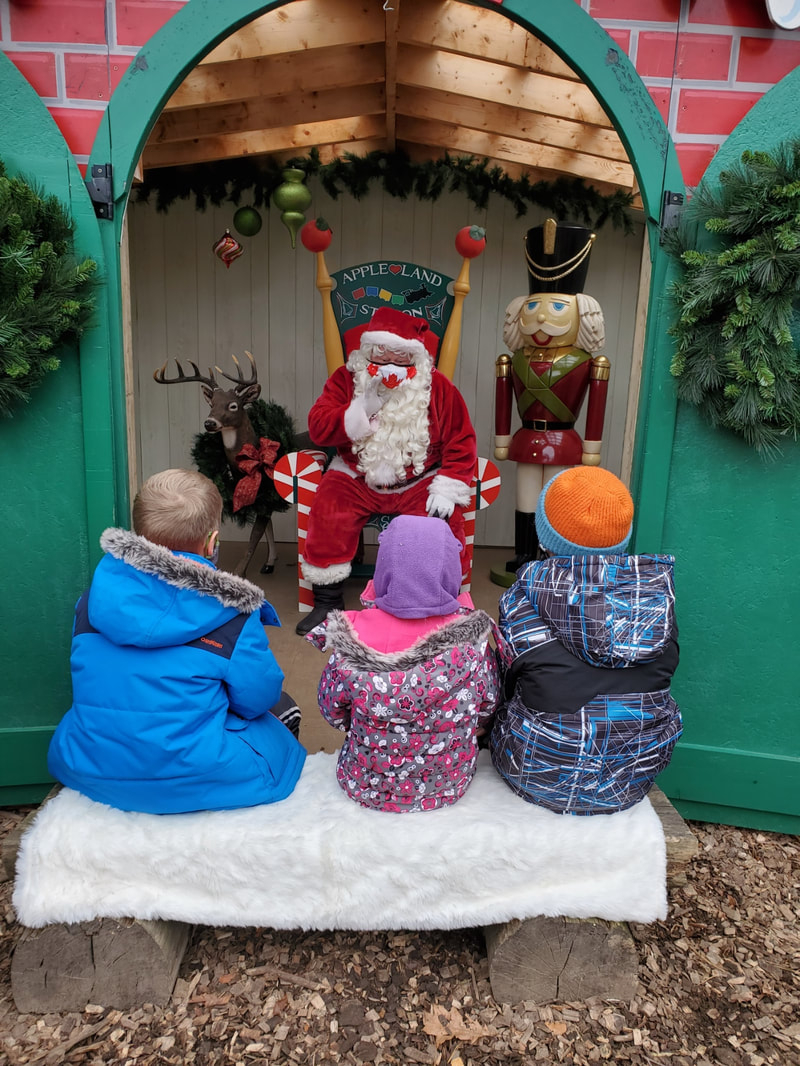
(391, 355)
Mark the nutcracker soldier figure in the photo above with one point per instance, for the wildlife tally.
(553, 334)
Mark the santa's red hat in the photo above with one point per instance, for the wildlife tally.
(396, 330)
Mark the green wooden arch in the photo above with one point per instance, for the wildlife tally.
(168, 57)
(56, 469)
(732, 520)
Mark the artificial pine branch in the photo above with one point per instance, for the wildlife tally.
(478, 179)
(45, 295)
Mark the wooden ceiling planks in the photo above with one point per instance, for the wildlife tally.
(426, 75)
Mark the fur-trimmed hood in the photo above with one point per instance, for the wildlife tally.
(339, 635)
(148, 596)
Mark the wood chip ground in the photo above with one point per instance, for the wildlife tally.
(719, 985)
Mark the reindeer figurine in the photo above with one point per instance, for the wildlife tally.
(244, 437)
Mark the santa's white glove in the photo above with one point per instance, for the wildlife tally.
(372, 400)
(439, 506)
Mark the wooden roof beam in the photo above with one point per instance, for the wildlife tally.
(297, 138)
(510, 121)
(325, 68)
(329, 152)
(459, 139)
(467, 76)
(301, 26)
(456, 27)
(264, 113)
(390, 82)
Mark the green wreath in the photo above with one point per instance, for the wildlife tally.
(44, 292)
(737, 327)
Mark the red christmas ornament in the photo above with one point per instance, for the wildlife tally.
(470, 241)
(316, 235)
(227, 248)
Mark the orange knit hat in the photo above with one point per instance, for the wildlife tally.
(584, 510)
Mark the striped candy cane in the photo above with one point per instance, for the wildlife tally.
(297, 477)
(485, 490)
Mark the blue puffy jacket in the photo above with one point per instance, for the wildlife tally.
(173, 679)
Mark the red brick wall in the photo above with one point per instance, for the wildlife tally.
(74, 52)
(705, 62)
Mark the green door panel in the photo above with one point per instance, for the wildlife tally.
(731, 521)
(56, 472)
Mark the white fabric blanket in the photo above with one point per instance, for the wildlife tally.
(319, 861)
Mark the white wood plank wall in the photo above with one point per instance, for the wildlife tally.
(187, 305)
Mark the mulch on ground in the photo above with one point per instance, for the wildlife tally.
(719, 986)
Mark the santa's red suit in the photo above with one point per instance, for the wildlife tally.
(404, 443)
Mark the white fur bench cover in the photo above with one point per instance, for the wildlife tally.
(319, 861)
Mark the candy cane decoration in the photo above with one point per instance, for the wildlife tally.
(485, 490)
(297, 476)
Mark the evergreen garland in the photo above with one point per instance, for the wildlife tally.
(737, 329)
(269, 420)
(44, 292)
(227, 180)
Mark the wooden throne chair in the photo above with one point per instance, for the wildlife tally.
(349, 297)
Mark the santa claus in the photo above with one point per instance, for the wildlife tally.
(404, 443)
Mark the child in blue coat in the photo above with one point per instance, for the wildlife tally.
(172, 674)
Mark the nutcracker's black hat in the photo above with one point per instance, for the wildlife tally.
(557, 256)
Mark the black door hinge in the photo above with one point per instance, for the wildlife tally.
(671, 210)
(100, 190)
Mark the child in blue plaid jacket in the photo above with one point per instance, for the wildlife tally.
(589, 640)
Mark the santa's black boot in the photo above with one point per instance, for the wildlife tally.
(526, 542)
(326, 598)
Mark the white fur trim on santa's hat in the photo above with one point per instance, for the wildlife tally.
(393, 342)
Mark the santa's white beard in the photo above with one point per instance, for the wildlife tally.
(402, 435)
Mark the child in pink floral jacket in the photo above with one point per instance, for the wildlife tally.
(412, 678)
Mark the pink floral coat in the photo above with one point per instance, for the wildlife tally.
(411, 716)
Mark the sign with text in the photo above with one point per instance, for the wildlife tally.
(361, 290)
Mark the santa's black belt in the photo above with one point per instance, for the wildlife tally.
(541, 425)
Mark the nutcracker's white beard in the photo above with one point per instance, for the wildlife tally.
(402, 435)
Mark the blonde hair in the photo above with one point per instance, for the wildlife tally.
(177, 509)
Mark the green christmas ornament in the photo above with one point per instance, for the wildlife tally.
(247, 221)
(293, 199)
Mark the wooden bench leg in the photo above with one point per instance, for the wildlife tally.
(118, 963)
(543, 960)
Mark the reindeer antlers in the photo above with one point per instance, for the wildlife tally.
(240, 380)
(160, 376)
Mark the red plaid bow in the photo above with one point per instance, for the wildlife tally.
(254, 461)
